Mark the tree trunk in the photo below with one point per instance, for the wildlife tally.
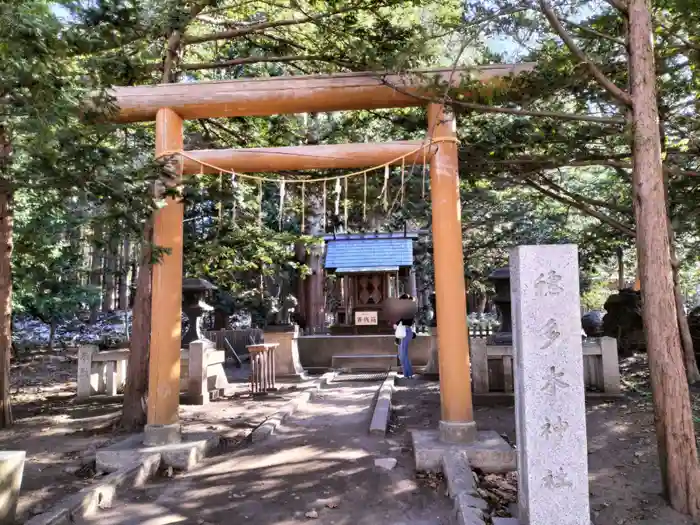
(691, 365)
(96, 266)
(6, 219)
(620, 268)
(678, 456)
(52, 333)
(482, 303)
(133, 280)
(110, 267)
(302, 316)
(133, 413)
(124, 274)
(136, 388)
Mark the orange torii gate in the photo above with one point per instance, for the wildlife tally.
(170, 104)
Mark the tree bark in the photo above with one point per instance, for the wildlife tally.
(124, 274)
(691, 364)
(133, 280)
(133, 413)
(620, 268)
(96, 266)
(678, 456)
(52, 333)
(6, 223)
(315, 282)
(109, 268)
(6, 245)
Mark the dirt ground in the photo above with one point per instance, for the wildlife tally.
(62, 434)
(625, 482)
(318, 466)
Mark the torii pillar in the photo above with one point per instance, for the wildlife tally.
(457, 418)
(163, 422)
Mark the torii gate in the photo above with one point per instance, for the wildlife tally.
(170, 104)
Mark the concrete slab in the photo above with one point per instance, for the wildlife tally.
(99, 495)
(505, 521)
(133, 513)
(489, 453)
(11, 470)
(181, 456)
(382, 407)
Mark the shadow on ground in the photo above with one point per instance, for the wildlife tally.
(319, 465)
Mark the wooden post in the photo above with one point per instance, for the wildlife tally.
(457, 421)
(166, 299)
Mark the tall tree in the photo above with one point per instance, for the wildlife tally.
(673, 414)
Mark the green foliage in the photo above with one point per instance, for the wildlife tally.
(545, 179)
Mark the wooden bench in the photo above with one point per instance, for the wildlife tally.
(374, 362)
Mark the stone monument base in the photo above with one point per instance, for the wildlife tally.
(489, 452)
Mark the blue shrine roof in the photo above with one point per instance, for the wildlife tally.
(376, 252)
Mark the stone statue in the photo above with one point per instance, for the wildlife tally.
(623, 321)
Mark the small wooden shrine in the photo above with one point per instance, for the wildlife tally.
(371, 270)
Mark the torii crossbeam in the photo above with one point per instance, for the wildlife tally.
(170, 104)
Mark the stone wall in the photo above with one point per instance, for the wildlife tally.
(316, 351)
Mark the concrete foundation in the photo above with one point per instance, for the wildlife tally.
(182, 456)
(157, 435)
(489, 452)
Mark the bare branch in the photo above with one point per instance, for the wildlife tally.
(592, 161)
(582, 198)
(508, 111)
(617, 93)
(617, 225)
(593, 32)
(545, 114)
(262, 26)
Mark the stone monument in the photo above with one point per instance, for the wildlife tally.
(549, 391)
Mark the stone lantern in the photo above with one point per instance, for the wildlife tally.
(501, 281)
(193, 293)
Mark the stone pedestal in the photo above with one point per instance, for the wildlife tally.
(287, 364)
(432, 369)
(549, 391)
(87, 381)
(11, 471)
(206, 372)
(157, 435)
